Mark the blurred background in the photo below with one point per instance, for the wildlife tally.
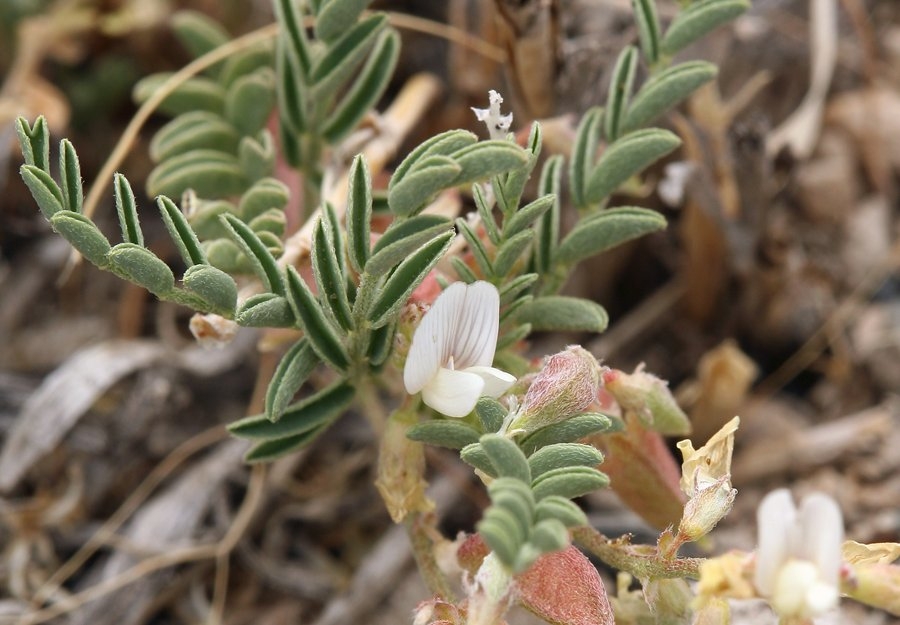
(773, 295)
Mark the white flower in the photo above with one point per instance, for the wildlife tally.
(498, 125)
(798, 557)
(452, 350)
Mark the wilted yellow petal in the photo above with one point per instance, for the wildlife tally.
(876, 553)
(709, 463)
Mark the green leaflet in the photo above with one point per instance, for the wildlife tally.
(366, 90)
(127, 211)
(43, 189)
(475, 456)
(562, 313)
(462, 270)
(215, 287)
(265, 194)
(198, 33)
(195, 94)
(620, 88)
(606, 230)
(665, 90)
(291, 111)
(487, 158)
(293, 370)
(491, 413)
(250, 100)
(509, 188)
(191, 131)
(210, 173)
(359, 213)
(205, 219)
(698, 19)
(550, 535)
(444, 433)
(528, 215)
(305, 415)
(290, 16)
(321, 334)
(245, 62)
(561, 509)
(626, 157)
(401, 240)
(272, 221)
(266, 310)
(263, 262)
(510, 251)
(270, 450)
(344, 56)
(83, 235)
(486, 212)
(35, 142)
(507, 458)
(439, 145)
(182, 235)
(70, 177)
(408, 275)
(418, 187)
(227, 256)
(513, 288)
(568, 431)
(569, 482)
(561, 455)
(547, 237)
(381, 343)
(648, 28)
(583, 154)
(141, 266)
(336, 15)
(479, 253)
(256, 157)
(332, 284)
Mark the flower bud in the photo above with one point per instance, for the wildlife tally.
(565, 387)
(705, 509)
(648, 397)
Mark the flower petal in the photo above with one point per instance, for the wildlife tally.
(496, 382)
(453, 393)
(430, 349)
(477, 323)
(821, 535)
(775, 520)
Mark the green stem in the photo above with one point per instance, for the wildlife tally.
(641, 561)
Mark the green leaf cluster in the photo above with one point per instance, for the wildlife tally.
(533, 479)
(203, 286)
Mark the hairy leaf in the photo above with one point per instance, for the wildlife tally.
(213, 286)
(359, 213)
(139, 265)
(606, 230)
(620, 92)
(250, 100)
(583, 154)
(44, 190)
(399, 241)
(293, 370)
(408, 275)
(563, 314)
(180, 231)
(84, 236)
(265, 310)
(264, 263)
(334, 18)
(321, 334)
(444, 433)
(698, 19)
(665, 90)
(626, 157)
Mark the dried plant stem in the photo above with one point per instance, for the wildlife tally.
(221, 549)
(106, 534)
